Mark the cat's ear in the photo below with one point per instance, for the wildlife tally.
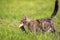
(25, 17)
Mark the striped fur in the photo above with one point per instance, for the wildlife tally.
(44, 23)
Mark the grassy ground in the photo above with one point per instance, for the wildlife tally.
(11, 11)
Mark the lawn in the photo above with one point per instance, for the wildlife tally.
(11, 12)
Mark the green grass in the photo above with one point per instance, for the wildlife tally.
(11, 11)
